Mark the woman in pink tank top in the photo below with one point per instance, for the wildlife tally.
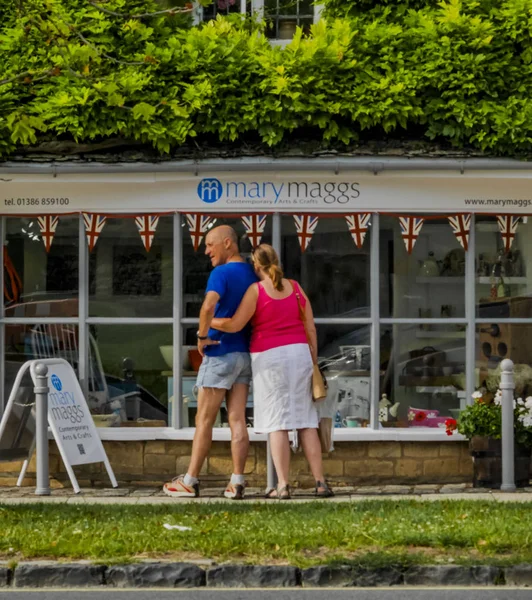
(282, 362)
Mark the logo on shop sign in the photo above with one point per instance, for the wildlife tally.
(56, 382)
(210, 190)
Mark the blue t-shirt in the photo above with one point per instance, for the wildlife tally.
(230, 281)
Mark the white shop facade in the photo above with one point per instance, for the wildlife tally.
(419, 273)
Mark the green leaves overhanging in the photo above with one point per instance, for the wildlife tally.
(459, 73)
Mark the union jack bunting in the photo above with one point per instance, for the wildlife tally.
(147, 225)
(305, 227)
(47, 225)
(93, 227)
(508, 227)
(358, 227)
(410, 228)
(254, 225)
(198, 226)
(461, 225)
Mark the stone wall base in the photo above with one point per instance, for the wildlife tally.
(150, 463)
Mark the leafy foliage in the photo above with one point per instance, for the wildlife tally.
(88, 71)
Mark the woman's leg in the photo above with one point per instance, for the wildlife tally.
(312, 449)
(280, 448)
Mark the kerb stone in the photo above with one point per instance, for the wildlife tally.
(183, 575)
(520, 575)
(239, 576)
(51, 574)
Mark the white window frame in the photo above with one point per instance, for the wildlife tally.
(257, 10)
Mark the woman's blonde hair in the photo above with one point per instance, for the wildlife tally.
(265, 257)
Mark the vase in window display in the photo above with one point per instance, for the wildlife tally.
(387, 410)
(429, 267)
(287, 30)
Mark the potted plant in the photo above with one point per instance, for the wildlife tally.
(481, 424)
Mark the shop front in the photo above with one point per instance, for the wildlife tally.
(418, 274)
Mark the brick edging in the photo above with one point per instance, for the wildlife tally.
(49, 574)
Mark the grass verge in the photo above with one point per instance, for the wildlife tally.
(369, 533)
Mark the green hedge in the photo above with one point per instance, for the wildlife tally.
(460, 74)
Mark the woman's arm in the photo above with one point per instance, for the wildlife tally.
(243, 314)
(311, 328)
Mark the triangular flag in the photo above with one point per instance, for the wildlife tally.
(305, 227)
(508, 227)
(358, 227)
(461, 225)
(47, 225)
(410, 228)
(254, 225)
(147, 225)
(198, 226)
(93, 226)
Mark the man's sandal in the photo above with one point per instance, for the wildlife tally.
(322, 490)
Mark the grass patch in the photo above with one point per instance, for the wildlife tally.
(370, 533)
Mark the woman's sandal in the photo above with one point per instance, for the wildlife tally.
(280, 493)
(324, 492)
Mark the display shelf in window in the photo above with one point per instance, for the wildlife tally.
(440, 280)
(441, 334)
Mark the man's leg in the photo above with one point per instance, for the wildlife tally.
(209, 402)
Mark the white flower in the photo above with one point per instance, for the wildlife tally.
(497, 400)
(477, 395)
(528, 402)
(520, 401)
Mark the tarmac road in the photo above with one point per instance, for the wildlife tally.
(281, 594)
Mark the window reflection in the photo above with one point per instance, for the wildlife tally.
(424, 373)
(127, 281)
(39, 283)
(429, 282)
(129, 375)
(333, 272)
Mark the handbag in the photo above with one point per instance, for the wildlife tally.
(319, 381)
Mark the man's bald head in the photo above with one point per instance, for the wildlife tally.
(221, 245)
(222, 233)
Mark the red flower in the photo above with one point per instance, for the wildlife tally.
(420, 416)
(450, 426)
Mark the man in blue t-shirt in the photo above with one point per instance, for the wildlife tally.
(225, 371)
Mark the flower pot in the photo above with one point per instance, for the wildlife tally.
(487, 463)
(287, 30)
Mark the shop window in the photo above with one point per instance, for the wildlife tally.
(497, 341)
(424, 373)
(334, 273)
(40, 283)
(429, 282)
(503, 289)
(128, 382)
(197, 266)
(125, 280)
(345, 356)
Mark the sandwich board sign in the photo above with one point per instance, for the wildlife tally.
(69, 419)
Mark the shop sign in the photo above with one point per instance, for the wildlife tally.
(70, 419)
(496, 192)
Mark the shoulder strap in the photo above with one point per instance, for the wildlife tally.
(302, 314)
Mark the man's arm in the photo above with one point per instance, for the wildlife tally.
(206, 316)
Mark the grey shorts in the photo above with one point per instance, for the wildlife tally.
(224, 371)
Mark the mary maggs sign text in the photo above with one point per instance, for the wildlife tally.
(497, 192)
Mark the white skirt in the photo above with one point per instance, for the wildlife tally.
(282, 395)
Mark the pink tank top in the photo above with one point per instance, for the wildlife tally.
(277, 322)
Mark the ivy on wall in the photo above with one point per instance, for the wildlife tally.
(91, 71)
